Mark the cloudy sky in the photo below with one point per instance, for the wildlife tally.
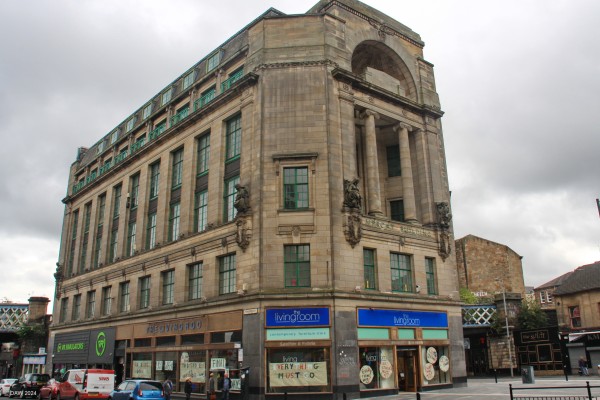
(519, 81)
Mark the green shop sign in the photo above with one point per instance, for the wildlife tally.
(100, 343)
(60, 347)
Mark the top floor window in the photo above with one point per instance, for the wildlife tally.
(543, 296)
(213, 61)
(114, 136)
(188, 80)
(166, 97)
(575, 317)
(147, 111)
(130, 124)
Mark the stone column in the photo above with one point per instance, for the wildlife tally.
(408, 187)
(428, 214)
(373, 187)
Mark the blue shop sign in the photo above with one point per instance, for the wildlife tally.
(429, 319)
(297, 317)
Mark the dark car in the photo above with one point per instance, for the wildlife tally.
(49, 390)
(138, 389)
(28, 385)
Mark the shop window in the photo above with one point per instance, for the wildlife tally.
(376, 368)
(144, 342)
(165, 365)
(226, 337)
(192, 339)
(298, 370)
(141, 365)
(165, 341)
(436, 365)
(193, 365)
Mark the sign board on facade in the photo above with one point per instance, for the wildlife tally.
(404, 318)
(298, 334)
(295, 317)
(540, 335)
(298, 374)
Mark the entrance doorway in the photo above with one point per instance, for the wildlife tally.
(407, 369)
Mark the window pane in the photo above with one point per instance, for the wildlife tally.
(369, 268)
(401, 270)
(295, 188)
(297, 266)
(227, 274)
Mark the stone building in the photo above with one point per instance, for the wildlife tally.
(279, 212)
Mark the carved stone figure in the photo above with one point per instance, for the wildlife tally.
(352, 197)
(242, 237)
(353, 231)
(444, 215)
(58, 277)
(242, 199)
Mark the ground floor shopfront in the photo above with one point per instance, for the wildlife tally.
(271, 351)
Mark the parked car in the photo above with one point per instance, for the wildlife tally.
(84, 384)
(5, 386)
(49, 390)
(28, 385)
(138, 389)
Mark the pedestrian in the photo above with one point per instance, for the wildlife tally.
(187, 388)
(226, 387)
(583, 369)
(211, 392)
(168, 388)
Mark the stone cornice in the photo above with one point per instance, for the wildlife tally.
(292, 64)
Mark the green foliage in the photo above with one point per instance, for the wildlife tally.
(531, 316)
(31, 332)
(467, 296)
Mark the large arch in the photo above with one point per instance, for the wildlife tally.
(377, 55)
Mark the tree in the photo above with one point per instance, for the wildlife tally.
(531, 316)
(467, 296)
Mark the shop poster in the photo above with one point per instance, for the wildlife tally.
(193, 369)
(142, 369)
(298, 374)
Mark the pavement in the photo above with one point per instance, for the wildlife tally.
(488, 389)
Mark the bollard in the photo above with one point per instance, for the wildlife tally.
(418, 396)
(496, 375)
(566, 375)
(344, 396)
(284, 395)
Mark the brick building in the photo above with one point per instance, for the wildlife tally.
(281, 206)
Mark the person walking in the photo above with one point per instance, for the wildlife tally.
(168, 388)
(187, 388)
(211, 393)
(226, 387)
(583, 369)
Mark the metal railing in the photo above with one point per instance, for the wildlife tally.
(553, 395)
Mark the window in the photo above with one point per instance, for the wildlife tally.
(549, 298)
(213, 61)
(166, 97)
(130, 124)
(401, 273)
(397, 210)
(369, 269)
(114, 245)
(154, 179)
(147, 111)
(113, 137)
(295, 188)
(131, 231)
(430, 275)
(99, 230)
(106, 300)
(72, 248)
(159, 128)
(124, 296)
(195, 281)
(174, 215)
(144, 292)
(117, 201)
(206, 97)
(135, 191)
(297, 265)
(575, 317)
(181, 114)
(233, 138)
(374, 362)
(200, 210)
(168, 286)
(90, 308)
(76, 312)
(188, 80)
(177, 169)
(233, 77)
(229, 198)
(543, 296)
(87, 212)
(203, 154)
(227, 278)
(100, 147)
(393, 160)
(64, 305)
(151, 231)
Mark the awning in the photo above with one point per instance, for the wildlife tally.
(578, 335)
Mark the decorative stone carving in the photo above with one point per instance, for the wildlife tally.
(445, 247)
(353, 231)
(444, 215)
(58, 278)
(242, 199)
(352, 197)
(242, 234)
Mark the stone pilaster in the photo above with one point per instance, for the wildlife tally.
(408, 186)
(373, 186)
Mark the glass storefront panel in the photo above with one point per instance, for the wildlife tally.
(223, 361)
(141, 365)
(165, 365)
(436, 365)
(298, 370)
(193, 364)
(376, 368)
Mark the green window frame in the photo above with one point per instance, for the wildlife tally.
(144, 292)
(73, 249)
(393, 160)
(154, 179)
(296, 259)
(195, 281)
(181, 114)
(117, 192)
(174, 219)
(131, 234)
(130, 124)
(203, 154)
(99, 230)
(90, 308)
(233, 139)
(165, 98)
(177, 166)
(370, 277)
(397, 210)
(200, 210)
(206, 97)
(188, 80)
(151, 231)
(229, 198)
(213, 61)
(114, 245)
(76, 311)
(227, 274)
(124, 297)
(64, 305)
(135, 191)
(106, 300)
(430, 275)
(87, 214)
(147, 111)
(168, 287)
(114, 136)
(402, 274)
(295, 188)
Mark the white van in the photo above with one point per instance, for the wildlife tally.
(84, 384)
